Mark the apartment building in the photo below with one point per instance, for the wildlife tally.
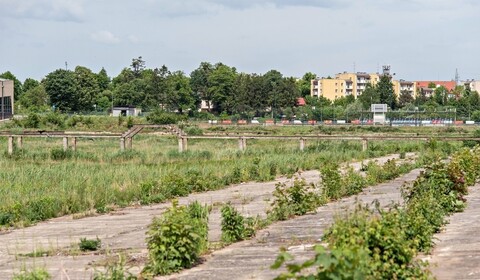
(404, 86)
(472, 84)
(330, 88)
(6, 100)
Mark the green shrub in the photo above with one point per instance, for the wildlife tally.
(176, 239)
(35, 274)
(331, 183)
(163, 117)
(116, 271)
(89, 244)
(296, 200)
(32, 121)
(233, 224)
(60, 154)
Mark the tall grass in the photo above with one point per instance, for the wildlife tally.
(38, 184)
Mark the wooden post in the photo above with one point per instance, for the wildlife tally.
(122, 144)
(364, 145)
(302, 144)
(129, 143)
(20, 142)
(65, 144)
(10, 145)
(74, 143)
(182, 144)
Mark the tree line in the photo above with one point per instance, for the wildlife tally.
(224, 91)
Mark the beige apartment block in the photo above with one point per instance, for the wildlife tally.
(6, 98)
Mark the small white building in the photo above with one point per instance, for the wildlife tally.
(126, 111)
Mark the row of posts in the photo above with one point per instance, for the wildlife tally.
(242, 144)
(11, 147)
(126, 143)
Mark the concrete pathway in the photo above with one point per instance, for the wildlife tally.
(456, 254)
(251, 259)
(124, 230)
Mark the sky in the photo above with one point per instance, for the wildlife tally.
(419, 39)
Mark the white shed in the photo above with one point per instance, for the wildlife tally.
(126, 111)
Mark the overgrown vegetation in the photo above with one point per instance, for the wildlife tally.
(235, 227)
(42, 181)
(177, 239)
(115, 271)
(382, 243)
(89, 244)
(33, 274)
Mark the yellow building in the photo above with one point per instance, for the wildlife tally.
(345, 84)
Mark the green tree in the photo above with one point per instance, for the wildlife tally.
(405, 98)
(181, 97)
(369, 96)
(386, 92)
(138, 65)
(29, 83)
(62, 89)
(221, 82)
(17, 85)
(304, 83)
(103, 80)
(88, 88)
(440, 95)
(35, 99)
(199, 82)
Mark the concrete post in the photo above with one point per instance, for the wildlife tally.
(302, 144)
(20, 142)
(364, 145)
(182, 144)
(65, 144)
(74, 143)
(10, 145)
(242, 143)
(129, 143)
(122, 144)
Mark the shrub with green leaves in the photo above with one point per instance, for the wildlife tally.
(296, 200)
(89, 244)
(233, 224)
(176, 239)
(331, 181)
(34, 274)
(115, 271)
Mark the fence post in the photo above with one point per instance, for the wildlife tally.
(364, 145)
(129, 143)
(74, 143)
(122, 144)
(10, 145)
(302, 144)
(182, 144)
(65, 144)
(20, 142)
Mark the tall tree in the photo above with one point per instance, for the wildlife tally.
(386, 92)
(103, 80)
(405, 98)
(181, 98)
(29, 83)
(369, 96)
(34, 99)
(88, 88)
(138, 65)
(304, 83)
(62, 88)
(200, 84)
(221, 82)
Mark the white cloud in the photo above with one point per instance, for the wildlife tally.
(104, 36)
(50, 10)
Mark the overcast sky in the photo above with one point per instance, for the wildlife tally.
(420, 39)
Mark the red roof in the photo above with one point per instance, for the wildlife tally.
(301, 102)
(450, 85)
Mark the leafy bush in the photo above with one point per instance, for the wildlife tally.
(35, 274)
(233, 224)
(298, 199)
(32, 121)
(89, 244)
(176, 239)
(60, 154)
(163, 117)
(117, 271)
(331, 181)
